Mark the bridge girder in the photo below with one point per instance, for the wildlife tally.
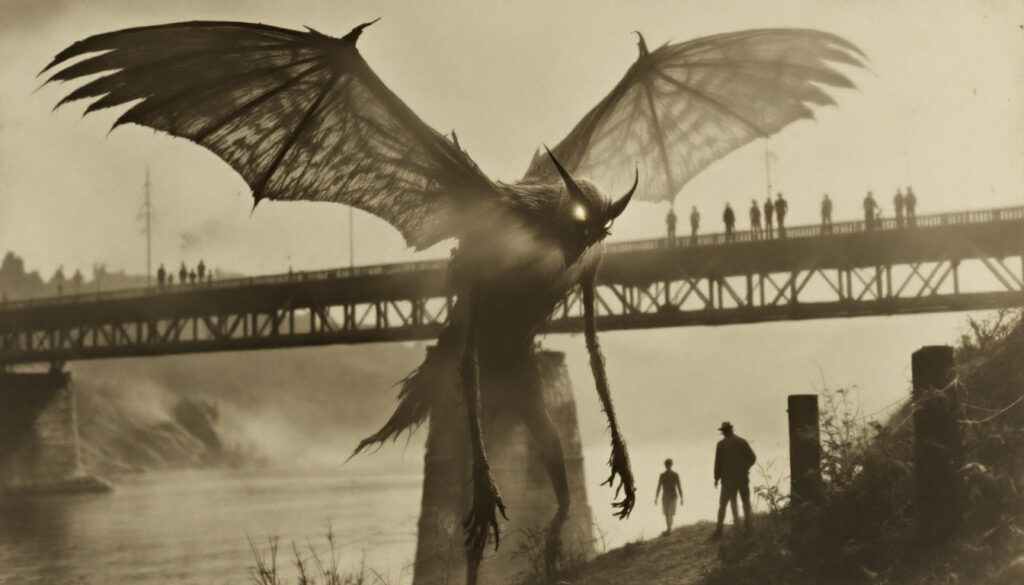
(951, 262)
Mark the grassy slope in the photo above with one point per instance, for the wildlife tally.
(681, 558)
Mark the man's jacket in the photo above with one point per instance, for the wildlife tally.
(733, 459)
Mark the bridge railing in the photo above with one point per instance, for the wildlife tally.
(712, 239)
(818, 230)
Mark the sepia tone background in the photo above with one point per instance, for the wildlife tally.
(940, 109)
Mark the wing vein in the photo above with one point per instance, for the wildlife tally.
(299, 129)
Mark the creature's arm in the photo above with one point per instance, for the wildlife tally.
(481, 519)
(619, 460)
(657, 491)
(299, 115)
(679, 486)
(683, 106)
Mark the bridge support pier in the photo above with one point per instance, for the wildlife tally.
(524, 485)
(39, 436)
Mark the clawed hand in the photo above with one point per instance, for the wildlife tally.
(482, 518)
(619, 463)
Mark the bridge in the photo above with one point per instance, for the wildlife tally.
(946, 262)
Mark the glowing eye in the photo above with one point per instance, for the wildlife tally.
(608, 224)
(579, 213)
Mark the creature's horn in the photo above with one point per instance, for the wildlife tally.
(641, 43)
(353, 34)
(574, 189)
(620, 205)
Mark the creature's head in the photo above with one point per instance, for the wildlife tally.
(586, 212)
(668, 464)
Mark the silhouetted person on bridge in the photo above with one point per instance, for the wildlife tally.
(871, 210)
(201, 270)
(670, 223)
(694, 224)
(182, 273)
(733, 460)
(161, 276)
(672, 492)
(826, 215)
(755, 218)
(897, 204)
(781, 208)
(729, 218)
(910, 201)
(192, 276)
(769, 214)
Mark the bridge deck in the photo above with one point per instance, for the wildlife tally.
(948, 262)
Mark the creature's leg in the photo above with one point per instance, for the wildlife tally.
(549, 446)
(735, 513)
(619, 461)
(482, 517)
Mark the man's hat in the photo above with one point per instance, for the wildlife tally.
(726, 426)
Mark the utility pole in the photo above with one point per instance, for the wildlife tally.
(146, 214)
(351, 240)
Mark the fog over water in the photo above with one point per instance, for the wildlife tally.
(939, 110)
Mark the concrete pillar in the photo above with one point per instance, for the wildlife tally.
(937, 445)
(39, 435)
(521, 478)
(804, 448)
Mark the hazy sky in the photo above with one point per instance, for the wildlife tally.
(941, 109)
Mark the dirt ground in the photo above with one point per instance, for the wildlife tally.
(680, 558)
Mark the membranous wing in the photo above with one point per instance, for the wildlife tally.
(300, 115)
(683, 106)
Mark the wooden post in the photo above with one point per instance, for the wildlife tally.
(804, 448)
(937, 447)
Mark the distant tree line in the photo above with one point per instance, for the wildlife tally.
(18, 283)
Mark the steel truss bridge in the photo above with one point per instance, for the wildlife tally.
(950, 262)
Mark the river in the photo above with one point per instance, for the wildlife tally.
(193, 527)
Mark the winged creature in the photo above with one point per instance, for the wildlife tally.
(300, 115)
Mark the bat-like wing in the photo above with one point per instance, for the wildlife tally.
(300, 115)
(683, 106)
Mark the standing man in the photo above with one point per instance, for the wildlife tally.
(182, 274)
(201, 270)
(673, 491)
(870, 210)
(826, 215)
(694, 224)
(755, 217)
(897, 203)
(161, 276)
(729, 218)
(781, 208)
(910, 201)
(733, 460)
(670, 222)
(769, 211)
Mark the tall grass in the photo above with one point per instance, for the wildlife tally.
(312, 567)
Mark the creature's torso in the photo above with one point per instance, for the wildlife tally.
(519, 272)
